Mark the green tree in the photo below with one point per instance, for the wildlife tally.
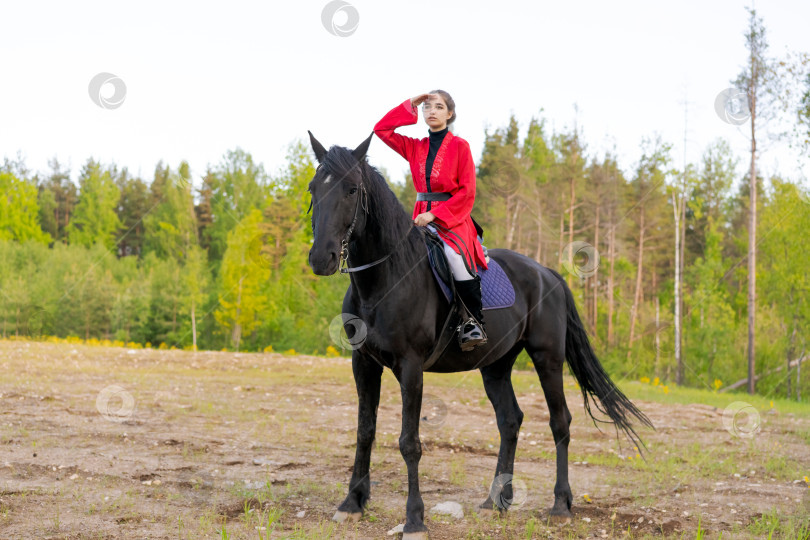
(19, 210)
(647, 207)
(195, 281)
(237, 187)
(89, 294)
(711, 324)
(57, 199)
(241, 280)
(783, 274)
(133, 205)
(94, 220)
(171, 227)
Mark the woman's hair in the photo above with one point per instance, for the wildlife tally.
(451, 105)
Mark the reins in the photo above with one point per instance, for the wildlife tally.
(458, 244)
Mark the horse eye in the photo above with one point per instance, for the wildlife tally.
(353, 191)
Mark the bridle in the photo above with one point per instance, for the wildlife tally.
(362, 200)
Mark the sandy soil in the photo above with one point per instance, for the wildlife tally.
(114, 443)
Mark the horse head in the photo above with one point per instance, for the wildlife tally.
(339, 206)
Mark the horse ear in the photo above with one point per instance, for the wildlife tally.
(317, 147)
(360, 152)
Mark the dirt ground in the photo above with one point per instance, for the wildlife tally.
(100, 442)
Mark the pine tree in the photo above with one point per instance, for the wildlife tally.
(758, 82)
(94, 219)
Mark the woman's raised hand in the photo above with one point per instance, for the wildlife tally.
(421, 98)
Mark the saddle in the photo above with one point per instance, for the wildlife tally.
(496, 292)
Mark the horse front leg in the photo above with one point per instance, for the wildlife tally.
(410, 381)
(367, 378)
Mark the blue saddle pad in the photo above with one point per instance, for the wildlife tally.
(496, 289)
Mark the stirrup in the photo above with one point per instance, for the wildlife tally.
(470, 335)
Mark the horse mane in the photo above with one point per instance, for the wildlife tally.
(387, 221)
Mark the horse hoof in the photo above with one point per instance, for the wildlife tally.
(489, 513)
(415, 536)
(346, 517)
(560, 519)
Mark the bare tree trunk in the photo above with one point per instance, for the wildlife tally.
(562, 233)
(612, 257)
(680, 300)
(637, 295)
(752, 243)
(657, 336)
(595, 276)
(791, 349)
(512, 217)
(571, 229)
(236, 335)
(539, 251)
(677, 200)
(193, 326)
(538, 217)
(519, 232)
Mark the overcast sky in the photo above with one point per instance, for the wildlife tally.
(205, 77)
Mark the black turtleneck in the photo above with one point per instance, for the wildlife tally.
(436, 138)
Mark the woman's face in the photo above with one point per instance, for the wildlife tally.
(436, 112)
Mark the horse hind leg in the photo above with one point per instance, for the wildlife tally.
(498, 386)
(549, 369)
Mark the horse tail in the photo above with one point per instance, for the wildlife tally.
(592, 378)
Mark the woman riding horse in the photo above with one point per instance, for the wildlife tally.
(443, 174)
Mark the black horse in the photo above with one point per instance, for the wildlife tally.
(356, 214)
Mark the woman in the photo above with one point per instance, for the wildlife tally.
(443, 174)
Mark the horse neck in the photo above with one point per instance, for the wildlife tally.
(374, 242)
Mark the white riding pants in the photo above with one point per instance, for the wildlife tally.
(455, 260)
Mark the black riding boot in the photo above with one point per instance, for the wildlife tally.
(472, 330)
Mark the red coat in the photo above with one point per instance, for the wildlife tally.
(453, 171)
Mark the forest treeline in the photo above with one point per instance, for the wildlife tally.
(221, 262)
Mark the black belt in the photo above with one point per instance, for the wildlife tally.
(433, 196)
